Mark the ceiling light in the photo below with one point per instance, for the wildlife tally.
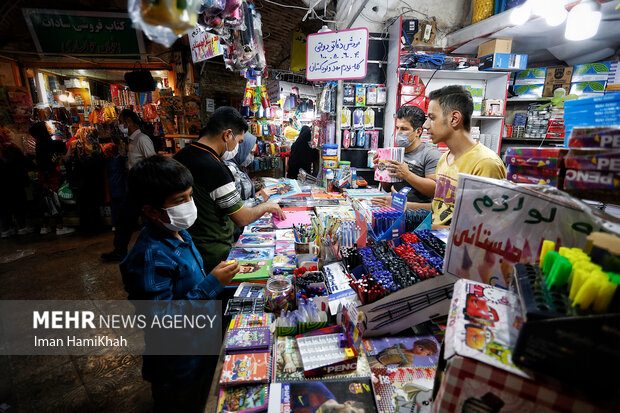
(62, 97)
(583, 20)
(521, 14)
(542, 8)
(324, 29)
(557, 13)
(70, 98)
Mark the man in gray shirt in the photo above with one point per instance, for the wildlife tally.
(418, 170)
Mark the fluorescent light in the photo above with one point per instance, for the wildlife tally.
(557, 14)
(583, 21)
(521, 14)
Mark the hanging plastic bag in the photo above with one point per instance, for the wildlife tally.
(65, 194)
(212, 7)
(164, 21)
(261, 62)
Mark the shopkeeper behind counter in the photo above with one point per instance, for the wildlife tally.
(449, 121)
(219, 204)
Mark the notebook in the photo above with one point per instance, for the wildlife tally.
(248, 340)
(247, 368)
(258, 239)
(243, 399)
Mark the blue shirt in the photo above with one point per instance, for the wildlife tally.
(160, 267)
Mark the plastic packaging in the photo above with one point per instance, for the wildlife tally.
(345, 118)
(164, 21)
(369, 118)
(358, 119)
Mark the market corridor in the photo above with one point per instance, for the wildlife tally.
(66, 268)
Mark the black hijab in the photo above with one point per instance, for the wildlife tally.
(302, 155)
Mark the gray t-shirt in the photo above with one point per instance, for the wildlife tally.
(422, 161)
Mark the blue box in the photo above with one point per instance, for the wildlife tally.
(503, 61)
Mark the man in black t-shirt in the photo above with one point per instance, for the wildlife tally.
(218, 202)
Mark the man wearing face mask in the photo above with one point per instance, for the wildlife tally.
(220, 206)
(140, 147)
(243, 183)
(418, 170)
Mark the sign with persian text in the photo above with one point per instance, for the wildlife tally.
(337, 55)
(84, 33)
(204, 45)
(498, 223)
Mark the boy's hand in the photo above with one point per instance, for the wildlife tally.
(276, 210)
(267, 192)
(382, 201)
(225, 271)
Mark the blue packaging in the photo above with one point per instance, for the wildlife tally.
(503, 61)
(361, 138)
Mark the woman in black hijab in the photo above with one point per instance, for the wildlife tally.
(302, 154)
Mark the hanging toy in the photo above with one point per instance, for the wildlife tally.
(345, 118)
(358, 119)
(369, 118)
(361, 138)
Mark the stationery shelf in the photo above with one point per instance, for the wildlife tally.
(355, 149)
(487, 117)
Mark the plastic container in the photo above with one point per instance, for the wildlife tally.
(279, 294)
(330, 150)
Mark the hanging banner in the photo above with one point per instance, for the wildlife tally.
(83, 32)
(204, 45)
(337, 55)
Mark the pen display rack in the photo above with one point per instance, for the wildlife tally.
(556, 341)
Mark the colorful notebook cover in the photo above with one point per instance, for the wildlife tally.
(382, 172)
(285, 247)
(259, 239)
(246, 369)
(285, 235)
(311, 396)
(253, 270)
(285, 261)
(248, 340)
(251, 320)
(251, 254)
(286, 187)
(243, 399)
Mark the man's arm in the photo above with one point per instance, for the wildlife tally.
(246, 216)
(419, 205)
(425, 185)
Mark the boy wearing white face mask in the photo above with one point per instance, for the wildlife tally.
(164, 264)
(418, 170)
(219, 203)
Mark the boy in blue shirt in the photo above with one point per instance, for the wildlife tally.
(164, 264)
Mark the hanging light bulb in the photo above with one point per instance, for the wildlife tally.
(324, 29)
(557, 13)
(583, 20)
(521, 14)
(62, 97)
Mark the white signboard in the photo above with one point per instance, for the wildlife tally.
(204, 45)
(337, 55)
(498, 223)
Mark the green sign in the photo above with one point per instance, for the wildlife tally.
(84, 33)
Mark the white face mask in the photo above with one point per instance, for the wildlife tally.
(402, 140)
(228, 155)
(181, 216)
(123, 129)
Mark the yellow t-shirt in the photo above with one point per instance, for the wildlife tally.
(477, 160)
(290, 132)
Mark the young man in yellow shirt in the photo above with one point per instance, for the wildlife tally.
(290, 132)
(449, 121)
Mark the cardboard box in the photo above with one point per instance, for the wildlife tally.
(521, 178)
(475, 371)
(535, 76)
(549, 88)
(592, 88)
(529, 91)
(602, 138)
(548, 158)
(577, 179)
(593, 160)
(559, 74)
(503, 62)
(495, 46)
(492, 107)
(589, 72)
(534, 171)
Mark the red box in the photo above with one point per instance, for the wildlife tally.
(538, 157)
(594, 160)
